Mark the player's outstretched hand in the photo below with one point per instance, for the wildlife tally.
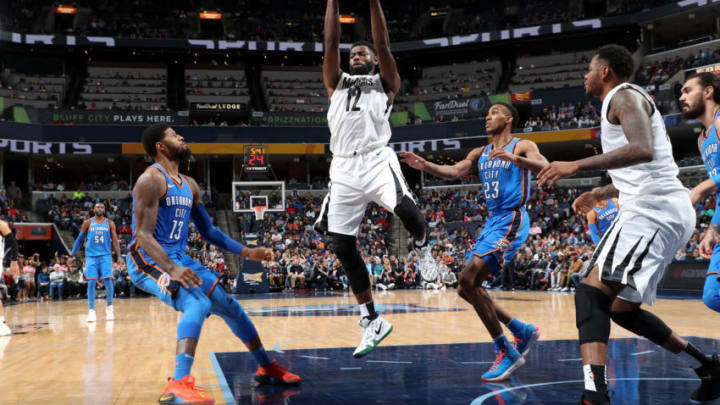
(259, 253)
(584, 203)
(707, 245)
(412, 160)
(555, 171)
(502, 154)
(186, 277)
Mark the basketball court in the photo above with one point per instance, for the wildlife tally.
(436, 353)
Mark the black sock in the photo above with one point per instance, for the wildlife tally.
(600, 377)
(368, 311)
(697, 354)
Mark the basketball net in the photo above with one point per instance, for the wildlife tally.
(259, 211)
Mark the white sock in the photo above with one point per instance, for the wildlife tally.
(589, 380)
(2, 319)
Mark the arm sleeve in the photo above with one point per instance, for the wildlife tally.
(78, 242)
(716, 217)
(594, 233)
(211, 234)
(13, 245)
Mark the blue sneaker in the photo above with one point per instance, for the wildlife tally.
(506, 362)
(530, 335)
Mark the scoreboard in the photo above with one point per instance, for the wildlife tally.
(256, 159)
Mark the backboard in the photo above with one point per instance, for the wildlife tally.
(249, 194)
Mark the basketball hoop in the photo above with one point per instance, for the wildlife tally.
(259, 211)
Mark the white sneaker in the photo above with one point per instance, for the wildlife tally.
(91, 316)
(373, 333)
(426, 264)
(565, 289)
(5, 330)
(109, 314)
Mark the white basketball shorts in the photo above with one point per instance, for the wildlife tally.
(357, 180)
(642, 241)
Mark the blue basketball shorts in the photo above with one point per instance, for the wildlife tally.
(98, 267)
(502, 237)
(149, 277)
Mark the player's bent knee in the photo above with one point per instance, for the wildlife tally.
(411, 217)
(643, 323)
(592, 314)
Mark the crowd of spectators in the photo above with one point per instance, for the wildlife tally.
(659, 72)
(566, 116)
(555, 254)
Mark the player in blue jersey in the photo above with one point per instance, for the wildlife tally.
(600, 218)
(164, 202)
(504, 167)
(100, 234)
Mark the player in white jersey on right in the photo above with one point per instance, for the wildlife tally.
(364, 168)
(655, 220)
(7, 238)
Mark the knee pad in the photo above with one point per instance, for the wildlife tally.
(345, 249)
(411, 217)
(643, 323)
(592, 314)
(711, 293)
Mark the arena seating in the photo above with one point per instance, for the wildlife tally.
(295, 89)
(550, 71)
(125, 87)
(208, 84)
(40, 91)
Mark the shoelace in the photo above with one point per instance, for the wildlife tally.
(500, 355)
(518, 342)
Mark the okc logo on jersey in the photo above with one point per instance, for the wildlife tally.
(502, 244)
(164, 280)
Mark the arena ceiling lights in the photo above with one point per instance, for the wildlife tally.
(64, 9)
(210, 15)
(347, 19)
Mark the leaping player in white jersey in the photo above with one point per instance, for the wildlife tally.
(655, 220)
(364, 168)
(7, 238)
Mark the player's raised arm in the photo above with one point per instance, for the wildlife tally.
(526, 155)
(148, 191)
(448, 172)
(114, 238)
(331, 61)
(381, 40)
(210, 233)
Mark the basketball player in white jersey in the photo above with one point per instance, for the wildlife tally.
(364, 168)
(7, 238)
(655, 220)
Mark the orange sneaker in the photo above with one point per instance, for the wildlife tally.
(184, 391)
(276, 374)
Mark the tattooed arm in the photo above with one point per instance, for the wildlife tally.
(630, 110)
(605, 192)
